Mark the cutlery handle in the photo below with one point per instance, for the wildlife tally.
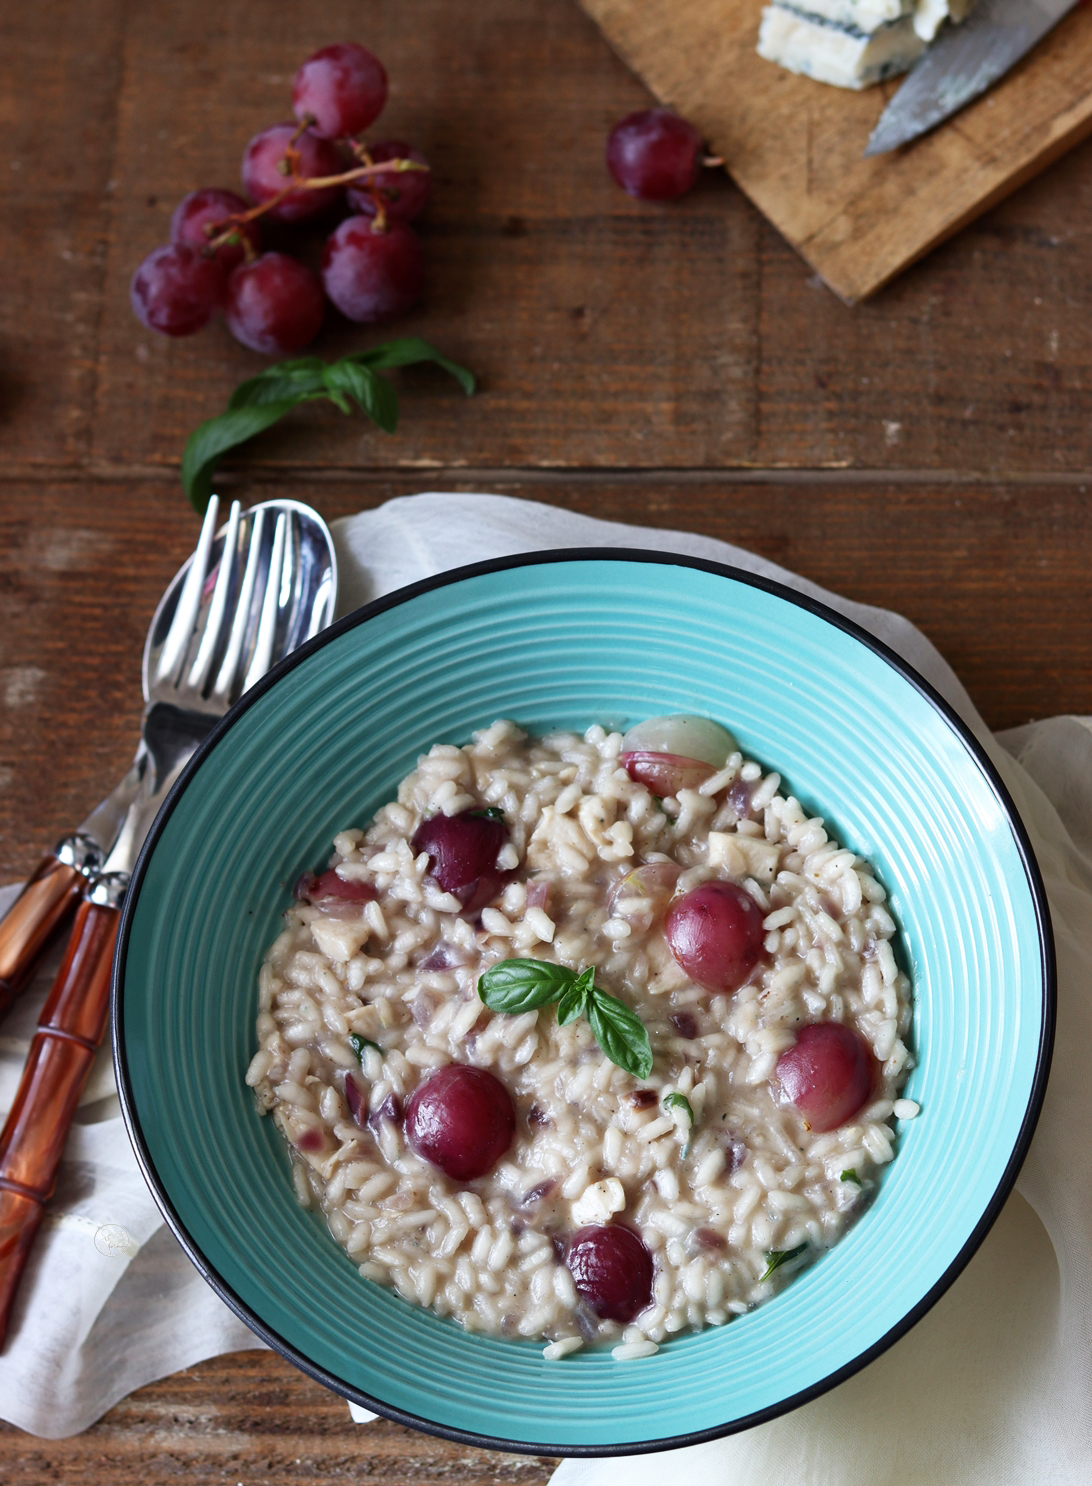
(33, 1139)
(43, 905)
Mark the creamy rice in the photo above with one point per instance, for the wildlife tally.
(593, 1143)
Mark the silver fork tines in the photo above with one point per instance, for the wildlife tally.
(189, 600)
(278, 578)
(225, 679)
(203, 662)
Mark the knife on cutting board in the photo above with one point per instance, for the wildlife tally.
(962, 63)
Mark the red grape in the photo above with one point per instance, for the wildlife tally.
(211, 207)
(462, 1120)
(829, 1074)
(176, 291)
(340, 90)
(373, 275)
(263, 180)
(654, 154)
(405, 193)
(665, 773)
(274, 305)
(612, 1271)
(330, 885)
(684, 735)
(715, 933)
(462, 853)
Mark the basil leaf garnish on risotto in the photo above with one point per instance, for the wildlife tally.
(574, 1001)
(620, 1033)
(675, 1100)
(775, 1258)
(514, 986)
(851, 1176)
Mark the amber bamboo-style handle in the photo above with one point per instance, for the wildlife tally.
(40, 909)
(70, 1030)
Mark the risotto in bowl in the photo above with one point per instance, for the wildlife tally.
(585, 1003)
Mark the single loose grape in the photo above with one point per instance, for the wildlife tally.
(372, 275)
(263, 177)
(715, 933)
(462, 1120)
(339, 90)
(612, 1271)
(654, 155)
(404, 193)
(210, 208)
(176, 290)
(274, 305)
(829, 1074)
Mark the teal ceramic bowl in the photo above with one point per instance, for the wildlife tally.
(563, 640)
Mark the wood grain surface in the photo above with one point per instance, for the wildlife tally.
(796, 146)
(675, 367)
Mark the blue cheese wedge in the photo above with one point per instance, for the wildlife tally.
(845, 55)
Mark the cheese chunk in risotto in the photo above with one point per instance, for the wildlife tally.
(691, 1088)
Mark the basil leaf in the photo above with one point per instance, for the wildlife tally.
(777, 1257)
(210, 440)
(851, 1176)
(373, 393)
(487, 812)
(620, 1033)
(574, 1001)
(260, 401)
(358, 1044)
(676, 1100)
(302, 378)
(521, 985)
(409, 350)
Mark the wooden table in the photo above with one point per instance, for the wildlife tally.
(677, 367)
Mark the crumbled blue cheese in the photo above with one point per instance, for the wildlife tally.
(930, 15)
(846, 56)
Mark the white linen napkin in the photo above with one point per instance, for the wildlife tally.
(993, 1386)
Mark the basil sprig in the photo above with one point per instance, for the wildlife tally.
(775, 1258)
(513, 986)
(261, 401)
(358, 1044)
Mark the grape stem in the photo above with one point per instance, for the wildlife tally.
(300, 182)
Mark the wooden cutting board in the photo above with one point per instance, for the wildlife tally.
(796, 146)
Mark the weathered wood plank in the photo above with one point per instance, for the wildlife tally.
(250, 1417)
(996, 576)
(59, 79)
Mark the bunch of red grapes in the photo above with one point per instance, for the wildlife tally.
(372, 264)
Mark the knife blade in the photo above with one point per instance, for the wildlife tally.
(963, 62)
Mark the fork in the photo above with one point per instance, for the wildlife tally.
(195, 678)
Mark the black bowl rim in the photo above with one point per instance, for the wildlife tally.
(536, 559)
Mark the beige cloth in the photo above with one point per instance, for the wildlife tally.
(993, 1386)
